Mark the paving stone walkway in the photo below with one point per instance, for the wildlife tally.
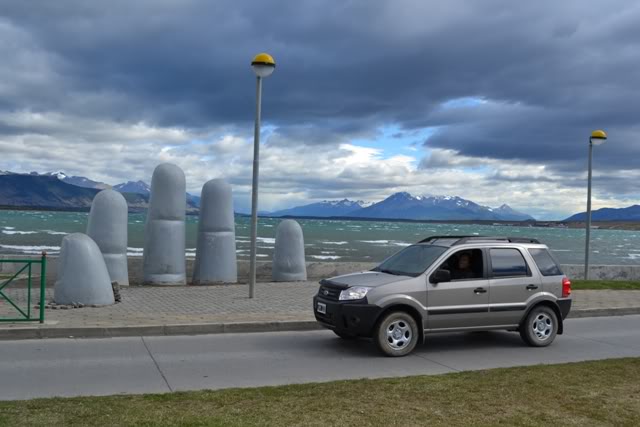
(143, 306)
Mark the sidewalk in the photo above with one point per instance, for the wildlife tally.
(216, 309)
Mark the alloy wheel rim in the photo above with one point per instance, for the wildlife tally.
(542, 326)
(399, 334)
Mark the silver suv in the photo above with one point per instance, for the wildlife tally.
(446, 284)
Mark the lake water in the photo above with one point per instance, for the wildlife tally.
(31, 232)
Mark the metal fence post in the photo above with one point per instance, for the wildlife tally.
(43, 279)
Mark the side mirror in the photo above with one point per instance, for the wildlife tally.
(440, 276)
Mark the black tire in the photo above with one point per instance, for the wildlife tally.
(540, 327)
(344, 335)
(396, 334)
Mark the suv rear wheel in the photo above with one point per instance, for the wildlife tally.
(540, 327)
(396, 334)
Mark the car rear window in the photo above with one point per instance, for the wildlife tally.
(545, 262)
(508, 263)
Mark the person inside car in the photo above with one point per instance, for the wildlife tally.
(463, 268)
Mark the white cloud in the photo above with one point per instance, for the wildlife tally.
(290, 173)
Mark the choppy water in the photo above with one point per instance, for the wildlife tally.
(325, 240)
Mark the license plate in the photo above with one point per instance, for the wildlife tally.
(321, 308)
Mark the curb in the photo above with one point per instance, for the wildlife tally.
(34, 332)
(603, 312)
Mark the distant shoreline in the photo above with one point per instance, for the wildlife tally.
(609, 225)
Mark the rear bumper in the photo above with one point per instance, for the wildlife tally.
(354, 318)
(565, 306)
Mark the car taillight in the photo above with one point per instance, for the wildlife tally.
(566, 287)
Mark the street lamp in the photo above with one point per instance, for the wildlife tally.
(263, 65)
(597, 137)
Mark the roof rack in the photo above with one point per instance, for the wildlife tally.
(431, 238)
(459, 240)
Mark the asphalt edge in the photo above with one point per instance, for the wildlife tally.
(35, 332)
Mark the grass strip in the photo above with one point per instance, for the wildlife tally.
(587, 393)
(604, 284)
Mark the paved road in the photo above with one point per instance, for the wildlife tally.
(72, 367)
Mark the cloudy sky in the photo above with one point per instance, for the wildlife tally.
(490, 100)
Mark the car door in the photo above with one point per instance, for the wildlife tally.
(461, 303)
(512, 282)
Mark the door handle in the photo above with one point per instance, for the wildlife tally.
(532, 287)
(479, 291)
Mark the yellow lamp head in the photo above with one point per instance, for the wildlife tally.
(598, 137)
(263, 65)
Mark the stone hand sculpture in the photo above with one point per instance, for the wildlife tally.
(164, 237)
(82, 273)
(216, 249)
(107, 227)
(288, 257)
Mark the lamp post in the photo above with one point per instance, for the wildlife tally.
(597, 137)
(263, 65)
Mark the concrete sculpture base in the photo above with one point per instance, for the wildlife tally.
(82, 273)
(216, 248)
(108, 220)
(164, 238)
(288, 256)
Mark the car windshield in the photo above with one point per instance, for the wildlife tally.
(411, 261)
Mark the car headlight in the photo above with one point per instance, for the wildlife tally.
(357, 292)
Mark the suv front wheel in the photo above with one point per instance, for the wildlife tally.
(396, 334)
(540, 327)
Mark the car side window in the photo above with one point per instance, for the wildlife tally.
(465, 265)
(508, 262)
(545, 262)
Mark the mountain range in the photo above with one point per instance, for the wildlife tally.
(631, 213)
(50, 192)
(56, 190)
(406, 206)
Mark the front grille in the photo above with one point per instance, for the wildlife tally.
(329, 293)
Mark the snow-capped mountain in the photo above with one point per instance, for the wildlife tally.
(138, 187)
(59, 174)
(406, 206)
(78, 181)
(326, 208)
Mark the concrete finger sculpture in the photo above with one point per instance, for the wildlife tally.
(82, 273)
(107, 227)
(164, 236)
(216, 248)
(288, 257)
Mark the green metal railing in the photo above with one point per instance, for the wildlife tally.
(25, 315)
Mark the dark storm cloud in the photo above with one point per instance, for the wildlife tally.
(549, 71)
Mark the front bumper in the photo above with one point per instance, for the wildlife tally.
(565, 306)
(350, 317)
